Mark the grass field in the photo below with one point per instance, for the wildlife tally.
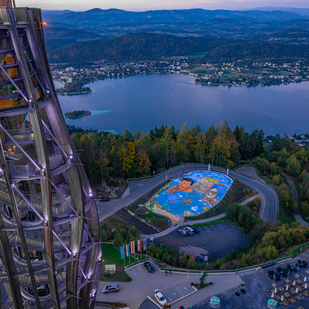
(111, 255)
(212, 223)
(283, 217)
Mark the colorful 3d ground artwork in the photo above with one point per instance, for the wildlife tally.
(192, 194)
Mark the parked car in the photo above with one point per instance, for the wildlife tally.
(149, 267)
(160, 298)
(198, 260)
(104, 199)
(111, 288)
(189, 230)
(205, 260)
(151, 241)
(182, 231)
(196, 230)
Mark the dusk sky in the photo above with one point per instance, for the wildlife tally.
(142, 5)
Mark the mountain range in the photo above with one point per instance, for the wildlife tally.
(124, 35)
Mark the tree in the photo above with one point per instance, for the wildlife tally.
(293, 165)
(182, 138)
(304, 207)
(276, 179)
(192, 263)
(166, 139)
(143, 163)
(273, 168)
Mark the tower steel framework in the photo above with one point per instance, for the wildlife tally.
(50, 252)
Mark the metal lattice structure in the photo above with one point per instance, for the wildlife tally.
(50, 252)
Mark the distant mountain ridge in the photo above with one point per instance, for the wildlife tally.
(113, 16)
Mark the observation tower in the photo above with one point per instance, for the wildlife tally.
(50, 251)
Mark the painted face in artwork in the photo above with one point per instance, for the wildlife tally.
(206, 184)
(184, 185)
(212, 193)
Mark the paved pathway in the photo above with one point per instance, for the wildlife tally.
(176, 226)
(297, 215)
(250, 199)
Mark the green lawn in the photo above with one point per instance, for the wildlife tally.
(200, 68)
(153, 217)
(282, 73)
(111, 255)
(133, 208)
(305, 217)
(283, 217)
(212, 223)
(223, 77)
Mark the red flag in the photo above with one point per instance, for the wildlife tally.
(139, 245)
(183, 170)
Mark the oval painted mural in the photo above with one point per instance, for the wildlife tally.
(190, 195)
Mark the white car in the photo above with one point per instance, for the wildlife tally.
(160, 298)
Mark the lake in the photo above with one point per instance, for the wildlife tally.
(144, 101)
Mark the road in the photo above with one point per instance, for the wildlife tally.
(269, 206)
(138, 188)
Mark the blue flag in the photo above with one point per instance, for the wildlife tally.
(122, 252)
(144, 244)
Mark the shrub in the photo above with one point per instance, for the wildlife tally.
(293, 165)
(276, 179)
(304, 207)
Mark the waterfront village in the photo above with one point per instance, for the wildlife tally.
(231, 74)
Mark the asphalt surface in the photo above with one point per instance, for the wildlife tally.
(217, 239)
(140, 187)
(257, 287)
(175, 287)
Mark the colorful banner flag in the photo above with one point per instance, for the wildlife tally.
(144, 243)
(139, 245)
(122, 252)
(128, 249)
(132, 247)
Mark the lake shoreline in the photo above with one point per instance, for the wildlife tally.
(145, 101)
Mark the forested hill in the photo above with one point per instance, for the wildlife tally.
(150, 46)
(136, 46)
(256, 51)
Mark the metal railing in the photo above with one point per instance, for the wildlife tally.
(13, 132)
(21, 16)
(4, 17)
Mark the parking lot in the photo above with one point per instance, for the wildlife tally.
(217, 239)
(259, 288)
(173, 286)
